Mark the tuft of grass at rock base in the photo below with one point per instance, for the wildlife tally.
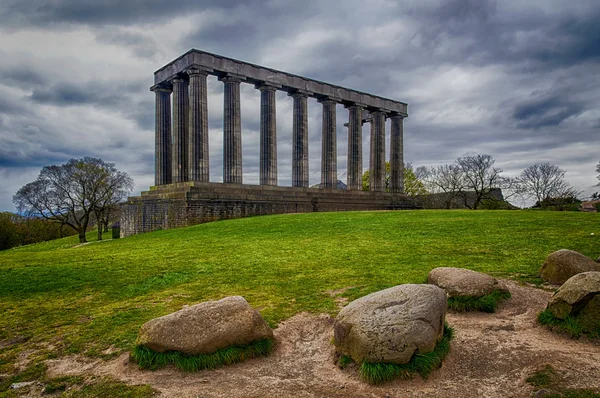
(152, 360)
(570, 325)
(423, 364)
(487, 303)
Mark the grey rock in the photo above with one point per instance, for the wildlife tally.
(464, 282)
(563, 264)
(206, 327)
(391, 325)
(579, 297)
(22, 384)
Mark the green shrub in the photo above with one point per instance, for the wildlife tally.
(569, 325)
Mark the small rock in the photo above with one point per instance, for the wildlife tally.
(464, 282)
(579, 297)
(22, 384)
(392, 324)
(206, 327)
(563, 264)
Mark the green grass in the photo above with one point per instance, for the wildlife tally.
(553, 382)
(570, 325)
(487, 303)
(423, 364)
(87, 299)
(148, 359)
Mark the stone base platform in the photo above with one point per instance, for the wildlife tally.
(190, 203)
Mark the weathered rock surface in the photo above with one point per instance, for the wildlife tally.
(392, 324)
(579, 297)
(206, 327)
(563, 264)
(464, 282)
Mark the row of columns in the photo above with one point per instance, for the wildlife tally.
(182, 143)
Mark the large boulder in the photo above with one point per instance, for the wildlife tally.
(391, 325)
(579, 297)
(563, 264)
(464, 282)
(206, 327)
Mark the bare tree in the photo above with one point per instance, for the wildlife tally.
(72, 192)
(479, 176)
(544, 181)
(446, 179)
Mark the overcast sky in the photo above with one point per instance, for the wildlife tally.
(519, 80)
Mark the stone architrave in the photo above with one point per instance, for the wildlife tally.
(377, 159)
(163, 171)
(355, 147)
(180, 130)
(300, 140)
(328, 145)
(198, 163)
(232, 131)
(268, 135)
(397, 154)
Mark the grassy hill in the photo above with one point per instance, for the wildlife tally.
(85, 299)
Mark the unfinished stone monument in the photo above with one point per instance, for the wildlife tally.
(183, 194)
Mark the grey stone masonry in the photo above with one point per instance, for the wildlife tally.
(397, 155)
(198, 165)
(268, 135)
(232, 131)
(328, 144)
(180, 130)
(300, 140)
(377, 158)
(255, 74)
(355, 147)
(163, 136)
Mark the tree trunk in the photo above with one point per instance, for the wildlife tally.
(105, 226)
(82, 236)
(99, 231)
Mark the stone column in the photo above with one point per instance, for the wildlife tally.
(198, 165)
(268, 135)
(163, 136)
(232, 131)
(397, 155)
(355, 147)
(377, 158)
(180, 130)
(328, 145)
(300, 141)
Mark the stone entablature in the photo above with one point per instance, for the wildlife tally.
(254, 74)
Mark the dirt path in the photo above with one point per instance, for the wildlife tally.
(492, 355)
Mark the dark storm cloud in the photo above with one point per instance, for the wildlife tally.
(142, 46)
(17, 13)
(22, 76)
(543, 112)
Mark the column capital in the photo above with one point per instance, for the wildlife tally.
(232, 78)
(264, 86)
(325, 100)
(198, 71)
(176, 80)
(300, 93)
(354, 105)
(394, 115)
(161, 89)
